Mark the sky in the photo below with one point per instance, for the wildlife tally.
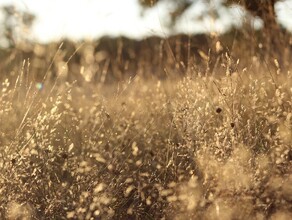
(88, 19)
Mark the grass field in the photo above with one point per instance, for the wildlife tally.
(195, 147)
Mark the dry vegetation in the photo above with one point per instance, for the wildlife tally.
(205, 146)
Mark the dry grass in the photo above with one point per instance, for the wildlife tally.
(215, 144)
(198, 148)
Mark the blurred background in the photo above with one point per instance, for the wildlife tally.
(87, 19)
(181, 34)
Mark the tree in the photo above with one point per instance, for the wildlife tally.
(15, 25)
(271, 38)
(264, 9)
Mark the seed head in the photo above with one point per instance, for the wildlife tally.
(232, 124)
(218, 110)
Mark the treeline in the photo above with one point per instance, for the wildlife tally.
(109, 59)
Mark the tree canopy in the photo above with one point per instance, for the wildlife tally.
(264, 9)
(16, 24)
